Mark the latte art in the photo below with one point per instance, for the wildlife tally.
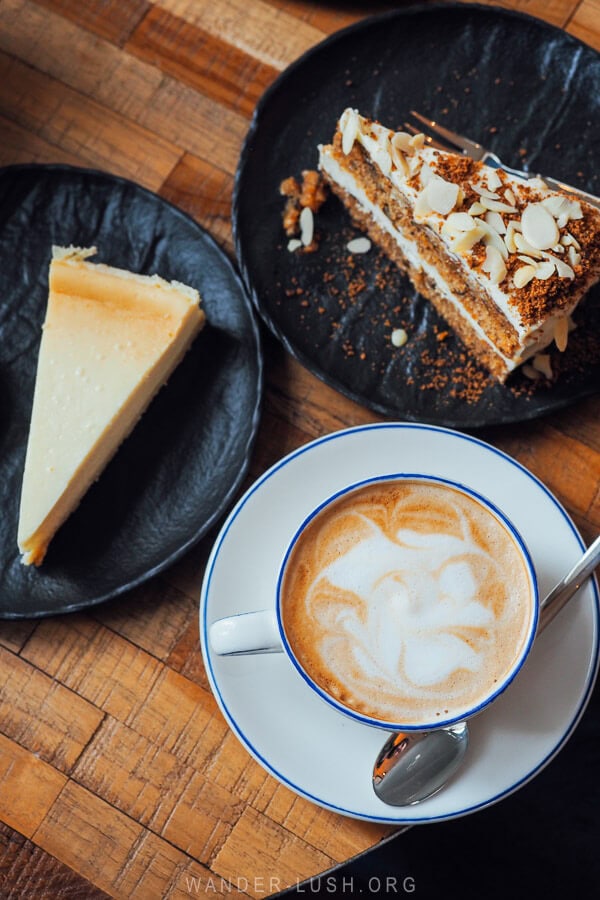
(407, 601)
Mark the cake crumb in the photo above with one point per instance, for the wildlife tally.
(303, 200)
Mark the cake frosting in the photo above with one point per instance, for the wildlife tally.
(505, 260)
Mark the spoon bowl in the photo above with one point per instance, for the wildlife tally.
(428, 760)
(412, 767)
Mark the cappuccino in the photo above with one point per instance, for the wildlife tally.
(407, 601)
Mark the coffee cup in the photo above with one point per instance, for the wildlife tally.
(405, 601)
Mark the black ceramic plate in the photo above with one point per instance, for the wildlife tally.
(527, 89)
(177, 472)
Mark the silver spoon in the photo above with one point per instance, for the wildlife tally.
(413, 766)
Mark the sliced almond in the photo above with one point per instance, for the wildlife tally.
(458, 222)
(567, 240)
(544, 270)
(523, 276)
(509, 237)
(294, 244)
(483, 192)
(464, 242)
(510, 197)
(397, 154)
(476, 209)
(417, 141)
(422, 209)
(493, 181)
(494, 265)
(350, 128)
(561, 333)
(359, 245)
(426, 174)
(492, 238)
(563, 207)
(442, 195)
(539, 227)
(498, 205)
(575, 211)
(531, 373)
(556, 205)
(401, 140)
(562, 268)
(538, 182)
(525, 246)
(307, 226)
(541, 363)
(495, 221)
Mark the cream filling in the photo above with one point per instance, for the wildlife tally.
(533, 340)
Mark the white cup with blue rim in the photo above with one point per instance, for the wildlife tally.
(399, 621)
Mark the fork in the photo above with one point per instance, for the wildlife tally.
(444, 139)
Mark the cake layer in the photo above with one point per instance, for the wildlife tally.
(505, 261)
(110, 340)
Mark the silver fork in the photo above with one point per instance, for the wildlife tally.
(444, 139)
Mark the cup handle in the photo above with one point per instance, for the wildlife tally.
(253, 632)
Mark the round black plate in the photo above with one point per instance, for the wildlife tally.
(526, 89)
(181, 466)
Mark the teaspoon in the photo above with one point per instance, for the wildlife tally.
(413, 766)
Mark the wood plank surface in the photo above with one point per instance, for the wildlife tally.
(119, 776)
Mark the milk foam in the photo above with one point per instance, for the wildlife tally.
(407, 601)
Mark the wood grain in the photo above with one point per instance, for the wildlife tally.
(108, 671)
(19, 145)
(201, 60)
(28, 871)
(118, 774)
(113, 851)
(556, 11)
(136, 100)
(42, 716)
(14, 634)
(154, 619)
(585, 23)
(28, 787)
(255, 28)
(257, 846)
(204, 193)
(111, 19)
(78, 125)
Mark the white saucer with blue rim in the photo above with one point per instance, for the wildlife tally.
(327, 757)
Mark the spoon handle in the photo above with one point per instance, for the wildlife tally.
(571, 583)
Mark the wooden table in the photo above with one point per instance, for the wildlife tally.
(118, 774)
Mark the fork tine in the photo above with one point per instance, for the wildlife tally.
(428, 139)
(472, 148)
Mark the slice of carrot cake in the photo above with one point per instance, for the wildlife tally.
(505, 260)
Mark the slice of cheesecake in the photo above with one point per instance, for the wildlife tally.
(504, 260)
(110, 340)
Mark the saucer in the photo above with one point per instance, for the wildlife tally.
(317, 752)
